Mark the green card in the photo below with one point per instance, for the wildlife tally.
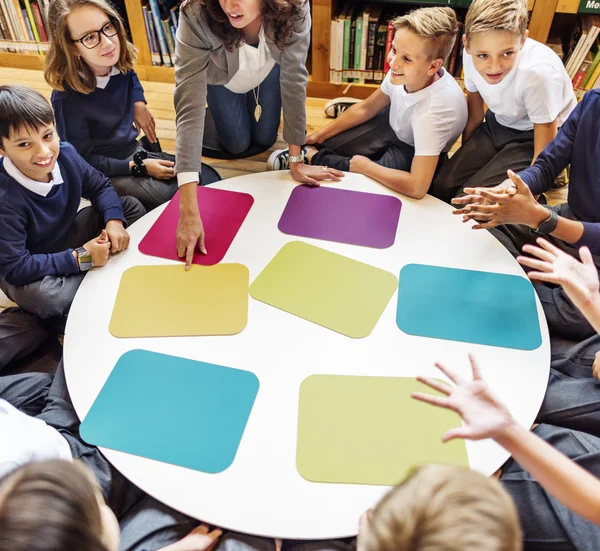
(368, 430)
(328, 289)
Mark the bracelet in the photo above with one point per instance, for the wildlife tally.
(139, 168)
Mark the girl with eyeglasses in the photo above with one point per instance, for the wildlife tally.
(99, 102)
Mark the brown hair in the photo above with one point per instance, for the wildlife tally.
(22, 106)
(445, 508)
(438, 25)
(278, 18)
(497, 15)
(50, 506)
(63, 66)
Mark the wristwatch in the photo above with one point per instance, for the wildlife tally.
(84, 258)
(549, 225)
(296, 158)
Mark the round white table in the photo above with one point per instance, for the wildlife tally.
(262, 492)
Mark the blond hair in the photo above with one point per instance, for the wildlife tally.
(437, 25)
(497, 15)
(63, 66)
(50, 506)
(445, 508)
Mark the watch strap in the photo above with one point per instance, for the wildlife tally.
(84, 258)
(296, 158)
(549, 225)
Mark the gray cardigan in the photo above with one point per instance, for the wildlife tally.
(201, 58)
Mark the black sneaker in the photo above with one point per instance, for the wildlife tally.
(280, 159)
(335, 107)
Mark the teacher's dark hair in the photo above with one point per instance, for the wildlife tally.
(278, 18)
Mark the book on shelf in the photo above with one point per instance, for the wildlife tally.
(361, 39)
(161, 18)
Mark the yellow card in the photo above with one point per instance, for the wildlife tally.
(326, 288)
(368, 430)
(167, 301)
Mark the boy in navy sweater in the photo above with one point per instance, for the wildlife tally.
(576, 223)
(46, 245)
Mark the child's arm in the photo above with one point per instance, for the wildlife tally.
(17, 265)
(351, 117)
(199, 539)
(578, 279)
(476, 113)
(543, 134)
(142, 117)
(484, 416)
(415, 183)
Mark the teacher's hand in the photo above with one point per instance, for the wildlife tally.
(313, 175)
(189, 232)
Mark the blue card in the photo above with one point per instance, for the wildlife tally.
(468, 306)
(188, 413)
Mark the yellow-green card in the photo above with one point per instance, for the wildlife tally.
(368, 430)
(167, 301)
(329, 289)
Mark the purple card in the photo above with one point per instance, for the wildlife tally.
(340, 215)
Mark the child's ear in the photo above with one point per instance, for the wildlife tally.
(466, 43)
(524, 38)
(435, 66)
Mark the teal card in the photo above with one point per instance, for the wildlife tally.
(468, 306)
(188, 413)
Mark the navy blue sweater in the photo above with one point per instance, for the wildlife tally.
(100, 124)
(33, 228)
(577, 143)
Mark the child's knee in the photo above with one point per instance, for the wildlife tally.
(132, 209)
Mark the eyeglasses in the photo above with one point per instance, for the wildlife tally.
(91, 40)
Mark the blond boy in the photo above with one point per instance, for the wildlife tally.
(443, 508)
(400, 135)
(526, 88)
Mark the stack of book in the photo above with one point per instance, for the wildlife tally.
(23, 26)
(361, 39)
(161, 21)
(582, 57)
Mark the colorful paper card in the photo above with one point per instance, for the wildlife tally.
(331, 290)
(223, 213)
(368, 430)
(341, 215)
(468, 306)
(167, 301)
(188, 413)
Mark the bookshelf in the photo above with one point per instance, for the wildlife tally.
(542, 15)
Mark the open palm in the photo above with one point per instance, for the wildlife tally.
(483, 414)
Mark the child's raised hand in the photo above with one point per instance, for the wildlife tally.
(143, 120)
(99, 249)
(199, 539)
(117, 235)
(483, 414)
(551, 265)
(160, 169)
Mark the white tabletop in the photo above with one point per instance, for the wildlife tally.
(262, 492)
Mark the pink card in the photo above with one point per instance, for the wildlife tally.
(223, 213)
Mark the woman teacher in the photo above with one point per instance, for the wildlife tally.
(247, 60)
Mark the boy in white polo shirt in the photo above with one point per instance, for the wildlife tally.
(526, 88)
(400, 135)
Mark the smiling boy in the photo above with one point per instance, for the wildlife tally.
(400, 135)
(526, 88)
(46, 243)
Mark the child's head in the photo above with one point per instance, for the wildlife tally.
(495, 32)
(87, 39)
(422, 42)
(444, 508)
(27, 133)
(54, 506)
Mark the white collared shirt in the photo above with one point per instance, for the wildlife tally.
(431, 119)
(102, 82)
(40, 188)
(26, 439)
